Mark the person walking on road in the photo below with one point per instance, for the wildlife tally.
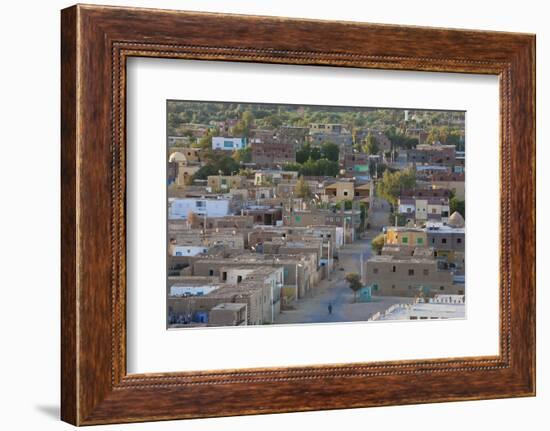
(330, 308)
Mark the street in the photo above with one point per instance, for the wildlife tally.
(314, 308)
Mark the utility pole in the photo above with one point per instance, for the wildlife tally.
(344, 217)
(362, 270)
(328, 262)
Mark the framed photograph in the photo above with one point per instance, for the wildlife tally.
(266, 215)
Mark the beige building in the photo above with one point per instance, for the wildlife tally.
(414, 237)
(453, 182)
(299, 274)
(224, 183)
(273, 176)
(185, 174)
(255, 289)
(340, 191)
(195, 309)
(188, 163)
(409, 276)
(228, 314)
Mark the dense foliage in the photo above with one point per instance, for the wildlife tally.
(393, 183)
(444, 126)
(217, 164)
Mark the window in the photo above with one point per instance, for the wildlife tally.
(345, 192)
(393, 286)
(420, 241)
(239, 278)
(433, 211)
(441, 287)
(224, 276)
(393, 269)
(409, 209)
(426, 272)
(210, 272)
(405, 240)
(200, 204)
(459, 240)
(444, 240)
(411, 272)
(375, 270)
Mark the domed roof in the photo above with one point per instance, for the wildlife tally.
(456, 220)
(177, 157)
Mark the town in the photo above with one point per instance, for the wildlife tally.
(288, 214)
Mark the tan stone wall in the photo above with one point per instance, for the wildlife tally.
(393, 278)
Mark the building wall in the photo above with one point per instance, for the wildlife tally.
(220, 316)
(184, 172)
(342, 190)
(188, 250)
(394, 278)
(271, 154)
(457, 187)
(180, 208)
(406, 237)
(225, 182)
(228, 144)
(192, 304)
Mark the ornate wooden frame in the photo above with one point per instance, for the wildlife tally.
(95, 43)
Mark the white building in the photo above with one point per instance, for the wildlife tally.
(188, 250)
(179, 209)
(183, 290)
(228, 144)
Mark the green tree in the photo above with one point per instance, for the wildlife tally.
(216, 162)
(347, 204)
(244, 125)
(401, 219)
(458, 205)
(292, 167)
(187, 132)
(244, 155)
(302, 155)
(247, 172)
(272, 121)
(206, 141)
(354, 283)
(315, 153)
(302, 189)
(393, 183)
(330, 151)
(363, 208)
(371, 146)
(438, 134)
(377, 243)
